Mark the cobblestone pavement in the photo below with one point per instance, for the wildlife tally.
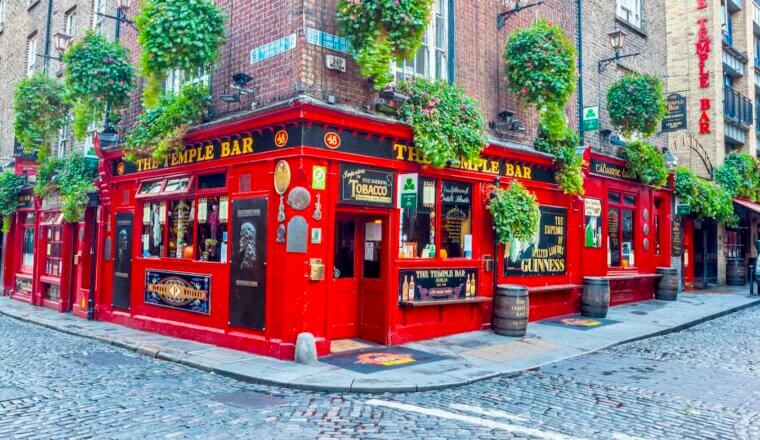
(703, 382)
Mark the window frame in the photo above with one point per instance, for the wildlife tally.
(635, 10)
(621, 206)
(70, 22)
(28, 221)
(3, 13)
(98, 7)
(31, 55)
(401, 69)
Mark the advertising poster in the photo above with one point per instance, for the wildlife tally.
(437, 284)
(593, 228)
(545, 253)
(181, 291)
(361, 185)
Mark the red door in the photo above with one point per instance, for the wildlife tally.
(343, 297)
(373, 281)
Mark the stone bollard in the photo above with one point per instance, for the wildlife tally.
(306, 349)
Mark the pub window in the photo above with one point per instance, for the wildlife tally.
(418, 224)
(180, 228)
(211, 181)
(620, 229)
(431, 59)
(27, 259)
(345, 236)
(456, 220)
(154, 218)
(212, 230)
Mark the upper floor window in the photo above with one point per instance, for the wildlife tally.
(630, 11)
(31, 55)
(3, 9)
(431, 60)
(70, 22)
(177, 78)
(98, 8)
(725, 23)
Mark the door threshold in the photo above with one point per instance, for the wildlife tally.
(343, 345)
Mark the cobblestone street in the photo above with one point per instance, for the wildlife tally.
(703, 382)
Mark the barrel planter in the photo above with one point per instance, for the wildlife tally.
(595, 299)
(736, 273)
(510, 310)
(666, 287)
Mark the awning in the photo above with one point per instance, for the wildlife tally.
(748, 204)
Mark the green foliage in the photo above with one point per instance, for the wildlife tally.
(647, 163)
(72, 178)
(40, 109)
(159, 131)
(540, 64)
(47, 172)
(557, 138)
(740, 175)
(10, 186)
(448, 125)
(707, 199)
(184, 35)
(98, 72)
(636, 104)
(515, 213)
(383, 30)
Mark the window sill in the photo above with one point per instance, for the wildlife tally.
(32, 3)
(632, 27)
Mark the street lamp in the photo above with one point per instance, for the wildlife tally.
(61, 42)
(617, 41)
(123, 5)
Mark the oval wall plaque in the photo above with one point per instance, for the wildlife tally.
(646, 244)
(646, 228)
(299, 198)
(281, 177)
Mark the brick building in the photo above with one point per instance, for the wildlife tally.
(712, 62)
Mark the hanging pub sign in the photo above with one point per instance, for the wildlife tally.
(419, 285)
(545, 253)
(26, 201)
(360, 185)
(607, 169)
(248, 263)
(675, 113)
(703, 49)
(181, 291)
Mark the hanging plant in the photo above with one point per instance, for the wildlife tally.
(10, 186)
(40, 111)
(540, 64)
(383, 31)
(557, 138)
(707, 199)
(47, 172)
(636, 104)
(646, 162)
(515, 213)
(740, 175)
(159, 131)
(448, 124)
(98, 73)
(184, 35)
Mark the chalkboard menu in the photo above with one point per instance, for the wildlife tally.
(545, 253)
(456, 205)
(677, 238)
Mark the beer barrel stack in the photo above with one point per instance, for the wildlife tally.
(510, 310)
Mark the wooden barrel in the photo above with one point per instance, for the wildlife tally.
(666, 287)
(736, 273)
(510, 310)
(595, 299)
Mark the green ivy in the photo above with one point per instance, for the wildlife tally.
(98, 73)
(72, 178)
(646, 162)
(159, 131)
(47, 172)
(540, 64)
(740, 175)
(557, 138)
(40, 110)
(448, 125)
(10, 186)
(707, 199)
(515, 213)
(381, 31)
(184, 35)
(636, 104)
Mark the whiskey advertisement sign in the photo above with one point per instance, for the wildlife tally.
(181, 291)
(437, 284)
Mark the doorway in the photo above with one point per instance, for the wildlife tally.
(356, 299)
(705, 254)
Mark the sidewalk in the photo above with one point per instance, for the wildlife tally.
(438, 363)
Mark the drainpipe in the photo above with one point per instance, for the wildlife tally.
(48, 29)
(580, 70)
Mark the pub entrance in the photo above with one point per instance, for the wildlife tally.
(705, 254)
(360, 274)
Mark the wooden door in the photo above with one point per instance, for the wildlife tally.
(343, 296)
(374, 276)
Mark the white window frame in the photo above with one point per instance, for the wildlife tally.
(3, 12)
(98, 7)
(178, 78)
(70, 22)
(432, 56)
(31, 55)
(63, 140)
(630, 11)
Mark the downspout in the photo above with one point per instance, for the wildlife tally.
(580, 70)
(452, 43)
(48, 29)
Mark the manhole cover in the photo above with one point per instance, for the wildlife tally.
(639, 312)
(108, 359)
(12, 394)
(248, 399)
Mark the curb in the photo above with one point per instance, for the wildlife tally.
(359, 388)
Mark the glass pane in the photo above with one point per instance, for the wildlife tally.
(212, 230)
(180, 184)
(181, 228)
(28, 258)
(344, 249)
(629, 200)
(153, 229)
(613, 239)
(150, 187)
(418, 225)
(440, 32)
(212, 181)
(373, 232)
(456, 220)
(614, 197)
(627, 248)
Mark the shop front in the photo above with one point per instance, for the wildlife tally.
(306, 220)
(627, 230)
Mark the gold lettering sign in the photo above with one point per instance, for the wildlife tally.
(610, 170)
